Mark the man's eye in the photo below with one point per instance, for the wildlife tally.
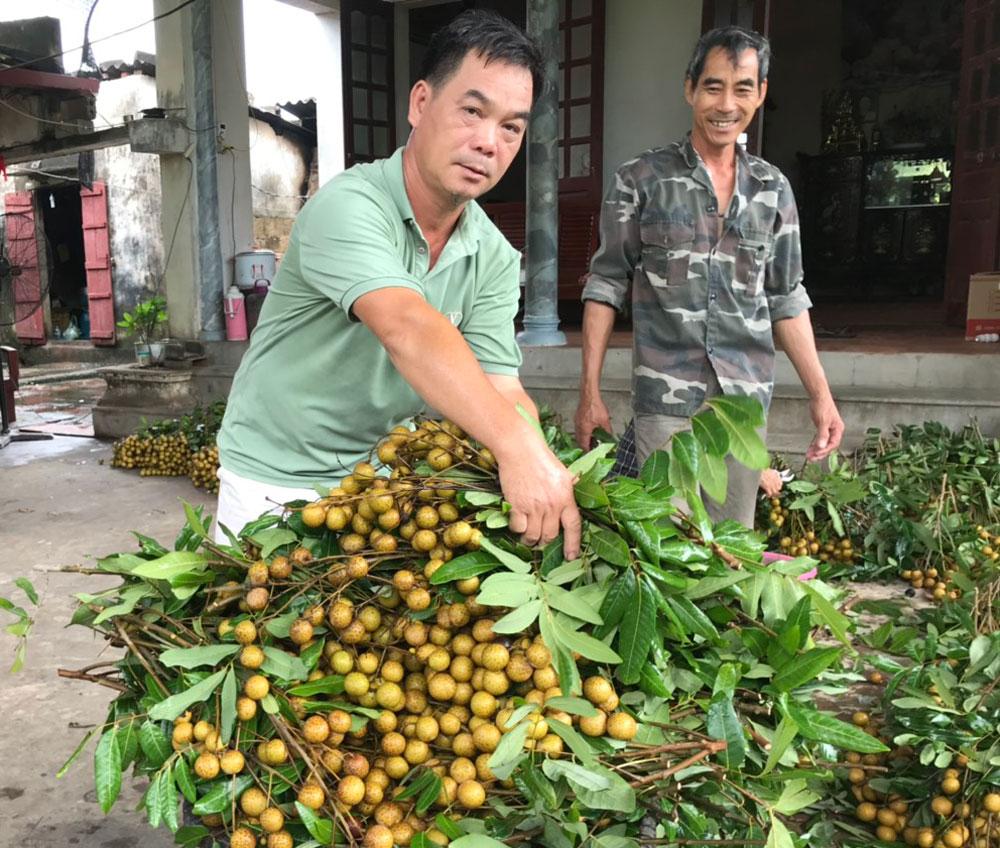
(471, 110)
(513, 129)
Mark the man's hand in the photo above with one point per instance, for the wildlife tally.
(770, 482)
(590, 414)
(829, 428)
(539, 489)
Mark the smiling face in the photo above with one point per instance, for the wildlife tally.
(467, 130)
(724, 99)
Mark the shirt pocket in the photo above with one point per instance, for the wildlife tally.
(666, 251)
(751, 262)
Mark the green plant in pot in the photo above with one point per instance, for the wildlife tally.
(142, 323)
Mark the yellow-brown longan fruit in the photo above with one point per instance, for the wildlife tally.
(416, 752)
(418, 599)
(495, 682)
(597, 689)
(991, 802)
(339, 721)
(483, 704)
(245, 632)
(495, 657)
(462, 769)
(232, 762)
(397, 768)
(538, 655)
(351, 790)
(471, 794)
(356, 684)
(621, 726)
(441, 687)
(885, 833)
(207, 765)
(942, 806)
(242, 837)
(253, 802)
(427, 729)
(950, 785)
(280, 568)
(252, 657)
(258, 574)
(256, 599)
(594, 725)
(424, 541)
(449, 724)
(272, 820)
(276, 752)
(886, 817)
(389, 814)
(315, 729)
(312, 796)
(256, 687)
(486, 737)
(856, 775)
(333, 760)
(281, 839)
(464, 745)
(183, 733)
(301, 631)
(378, 836)
(925, 838)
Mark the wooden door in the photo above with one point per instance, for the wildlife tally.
(369, 90)
(974, 235)
(21, 252)
(97, 263)
(749, 14)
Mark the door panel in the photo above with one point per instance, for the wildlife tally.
(96, 247)
(22, 253)
(974, 237)
(369, 92)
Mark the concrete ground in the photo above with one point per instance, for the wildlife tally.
(63, 504)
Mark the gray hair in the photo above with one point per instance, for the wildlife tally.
(734, 40)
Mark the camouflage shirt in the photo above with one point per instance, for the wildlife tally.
(700, 301)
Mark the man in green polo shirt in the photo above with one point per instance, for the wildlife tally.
(397, 292)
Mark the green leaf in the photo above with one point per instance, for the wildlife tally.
(804, 668)
(26, 586)
(586, 645)
(519, 619)
(173, 706)
(570, 603)
(283, 665)
(191, 836)
(795, 796)
(269, 704)
(837, 622)
(429, 795)
(128, 599)
(194, 657)
(693, 619)
(476, 498)
(332, 684)
(616, 601)
(170, 566)
(504, 589)
(784, 735)
(595, 785)
(152, 802)
(271, 539)
(583, 464)
(76, 753)
(281, 625)
(593, 778)
(221, 795)
(462, 567)
(741, 416)
(779, 837)
(656, 469)
(447, 826)
(722, 721)
(821, 727)
(714, 477)
(576, 743)
(168, 800)
(228, 706)
(509, 752)
(711, 434)
(194, 520)
(319, 829)
(571, 705)
(707, 586)
(155, 743)
(685, 454)
(185, 780)
(590, 493)
(476, 840)
(508, 560)
(108, 770)
(636, 633)
(607, 545)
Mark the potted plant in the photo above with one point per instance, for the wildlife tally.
(142, 323)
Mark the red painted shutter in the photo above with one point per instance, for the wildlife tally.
(22, 249)
(97, 253)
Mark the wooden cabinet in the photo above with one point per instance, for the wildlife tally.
(875, 225)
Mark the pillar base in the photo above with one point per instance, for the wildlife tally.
(541, 333)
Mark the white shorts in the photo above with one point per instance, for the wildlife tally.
(242, 501)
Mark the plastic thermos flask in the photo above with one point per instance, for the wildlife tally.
(236, 315)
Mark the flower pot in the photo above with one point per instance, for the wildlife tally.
(142, 354)
(157, 352)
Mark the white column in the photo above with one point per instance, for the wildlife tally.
(330, 100)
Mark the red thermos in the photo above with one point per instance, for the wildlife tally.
(236, 315)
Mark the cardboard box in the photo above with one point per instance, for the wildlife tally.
(984, 304)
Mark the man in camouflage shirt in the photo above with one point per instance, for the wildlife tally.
(707, 237)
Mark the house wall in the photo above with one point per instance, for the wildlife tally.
(133, 192)
(646, 50)
(279, 176)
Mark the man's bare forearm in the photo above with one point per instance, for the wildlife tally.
(598, 322)
(795, 336)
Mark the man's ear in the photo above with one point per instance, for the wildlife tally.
(689, 91)
(420, 95)
(763, 94)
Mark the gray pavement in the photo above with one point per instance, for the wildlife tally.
(62, 504)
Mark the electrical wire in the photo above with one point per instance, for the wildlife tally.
(27, 172)
(154, 19)
(42, 120)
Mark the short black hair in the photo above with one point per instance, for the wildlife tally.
(734, 40)
(486, 34)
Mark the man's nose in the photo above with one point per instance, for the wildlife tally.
(485, 140)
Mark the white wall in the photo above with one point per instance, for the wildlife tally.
(647, 47)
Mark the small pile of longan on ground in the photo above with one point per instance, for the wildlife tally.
(955, 823)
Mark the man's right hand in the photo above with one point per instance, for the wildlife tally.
(539, 489)
(590, 414)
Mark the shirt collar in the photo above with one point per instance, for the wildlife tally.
(745, 163)
(467, 233)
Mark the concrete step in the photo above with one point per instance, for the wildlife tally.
(77, 351)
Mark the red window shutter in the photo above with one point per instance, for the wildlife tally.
(22, 250)
(97, 253)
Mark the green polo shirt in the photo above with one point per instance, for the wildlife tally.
(316, 389)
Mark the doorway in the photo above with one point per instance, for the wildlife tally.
(862, 116)
(62, 221)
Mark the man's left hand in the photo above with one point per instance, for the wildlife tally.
(829, 428)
